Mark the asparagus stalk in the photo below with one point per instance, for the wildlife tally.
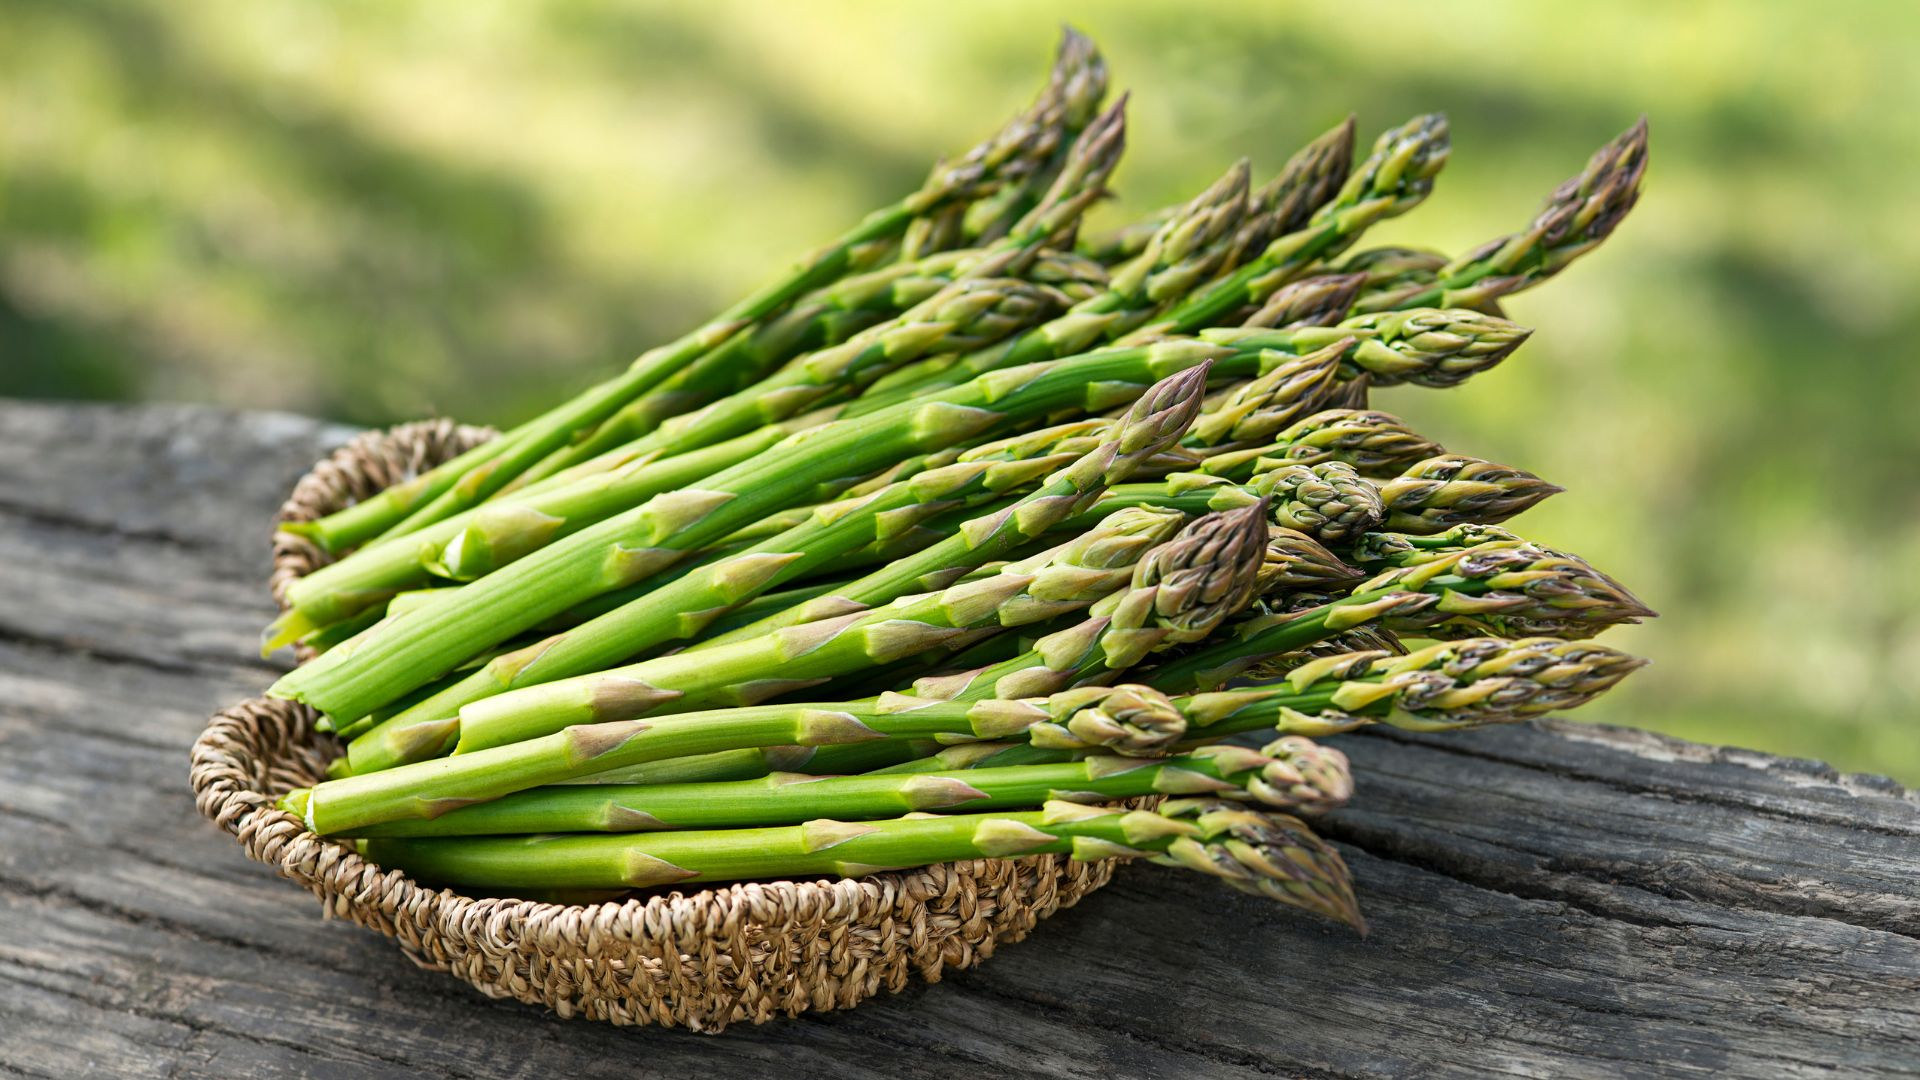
(1266, 854)
(1328, 502)
(1382, 549)
(757, 761)
(469, 544)
(1260, 408)
(1313, 177)
(684, 608)
(1026, 154)
(1292, 773)
(1447, 686)
(746, 672)
(840, 372)
(1135, 721)
(1154, 423)
(1187, 250)
(1395, 178)
(1016, 151)
(1179, 593)
(635, 544)
(1373, 443)
(1577, 217)
(1316, 301)
(1282, 205)
(1441, 492)
(1530, 590)
(638, 543)
(825, 318)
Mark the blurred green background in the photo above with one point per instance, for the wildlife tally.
(374, 211)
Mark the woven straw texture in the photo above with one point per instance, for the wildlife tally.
(702, 960)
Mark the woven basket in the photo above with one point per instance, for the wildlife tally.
(702, 960)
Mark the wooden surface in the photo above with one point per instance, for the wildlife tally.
(1563, 900)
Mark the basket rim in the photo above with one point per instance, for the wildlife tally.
(245, 743)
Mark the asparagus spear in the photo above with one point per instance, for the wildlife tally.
(1292, 773)
(1447, 686)
(1180, 592)
(1381, 549)
(493, 534)
(746, 672)
(1260, 408)
(688, 606)
(1373, 443)
(1328, 502)
(841, 372)
(633, 545)
(1187, 250)
(1282, 205)
(1394, 179)
(1026, 154)
(1015, 152)
(757, 761)
(1531, 591)
(1135, 721)
(825, 318)
(1316, 301)
(1267, 854)
(1577, 217)
(1452, 489)
(1314, 176)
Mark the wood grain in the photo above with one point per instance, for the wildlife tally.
(1555, 900)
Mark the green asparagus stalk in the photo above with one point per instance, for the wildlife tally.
(825, 318)
(1316, 301)
(1292, 773)
(747, 672)
(966, 315)
(1577, 217)
(494, 534)
(1530, 590)
(634, 545)
(1441, 492)
(1154, 423)
(757, 761)
(1135, 721)
(1282, 205)
(1383, 549)
(1027, 154)
(1312, 178)
(685, 608)
(1016, 151)
(1266, 854)
(1252, 413)
(1329, 501)
(1393, 275)
(1395, 178)
(1188, 249)
(1179, 593)
(1373, 443)
(1447, 686)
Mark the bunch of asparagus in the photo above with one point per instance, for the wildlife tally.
(964, 529)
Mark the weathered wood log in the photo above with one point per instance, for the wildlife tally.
(1553, 900)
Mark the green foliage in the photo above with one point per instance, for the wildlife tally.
(378, 210)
